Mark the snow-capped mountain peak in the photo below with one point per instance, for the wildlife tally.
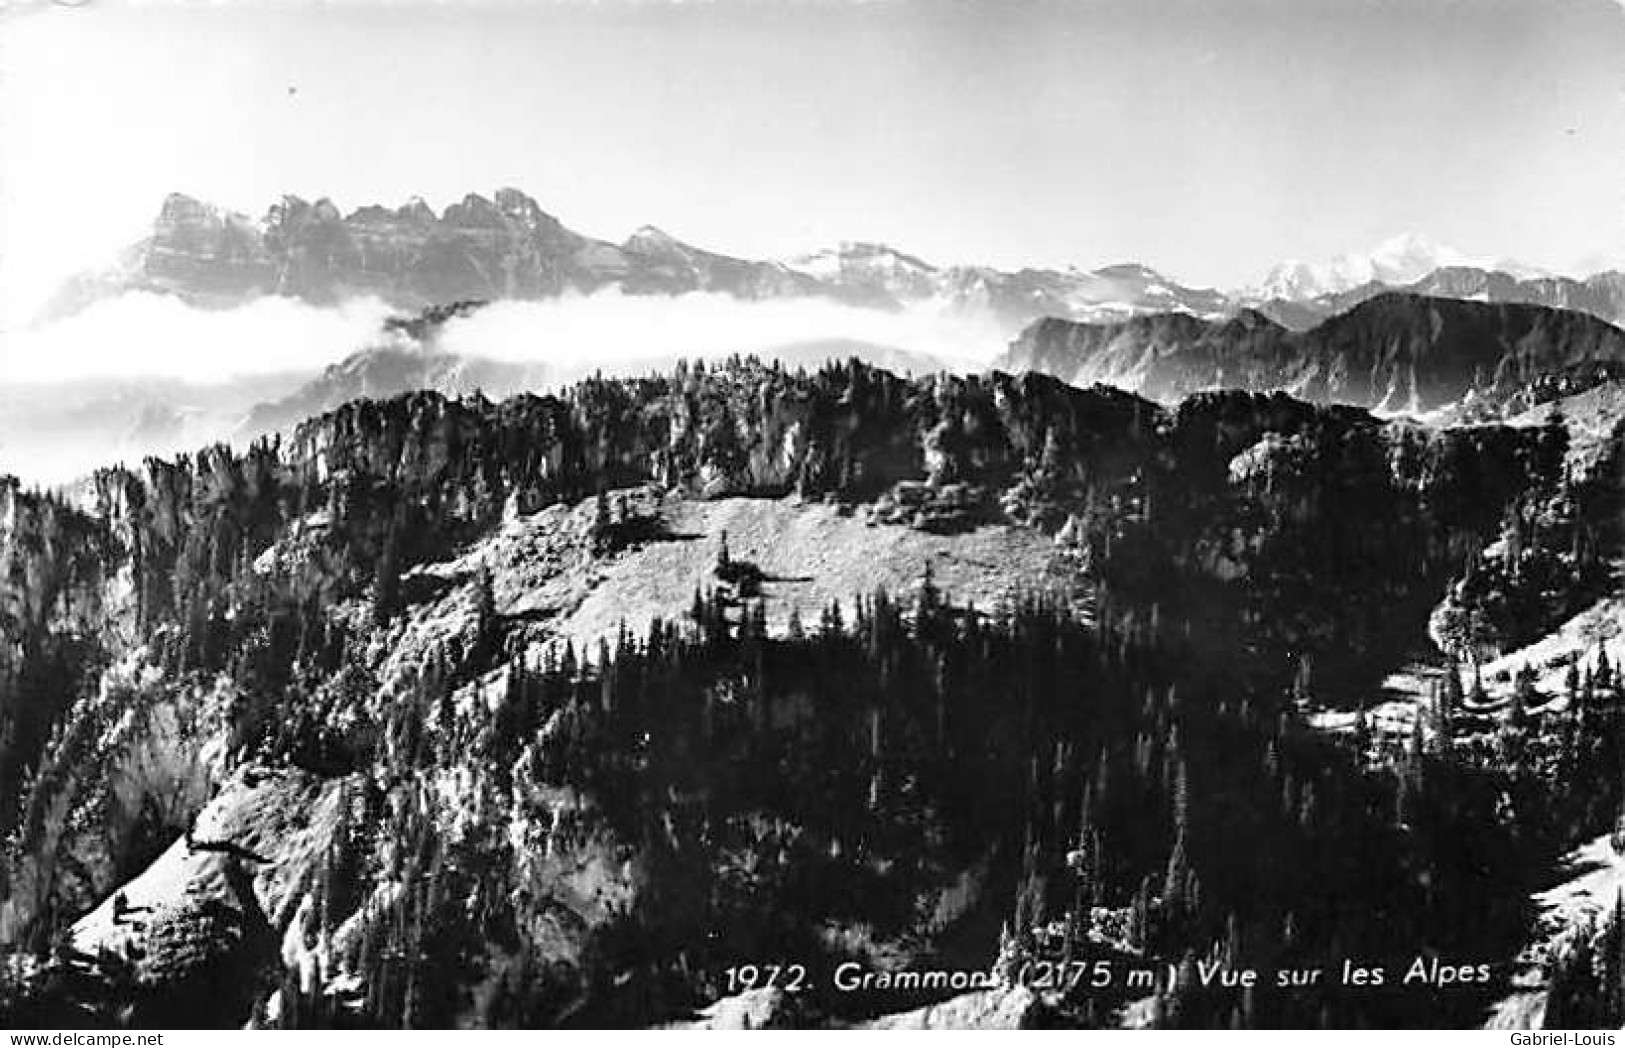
(1399, 260)
(853, 257)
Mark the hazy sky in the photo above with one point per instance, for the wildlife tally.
(1208, 138)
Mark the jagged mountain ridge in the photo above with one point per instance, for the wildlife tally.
(507, 247)
(1393, 352)
(1396, 262)
(1601, 294)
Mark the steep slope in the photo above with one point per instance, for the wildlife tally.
(504, 246)
(1408, 353)
(1164, 356)
(593, 763)
(1594, 877)
(1394, 352)
(658, 263)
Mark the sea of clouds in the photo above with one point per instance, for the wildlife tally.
(610, 329)
(83, 390)
(145, 336)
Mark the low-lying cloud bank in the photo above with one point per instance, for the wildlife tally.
(147, 373)
(610, 329)
(145, 336)
(142, 335)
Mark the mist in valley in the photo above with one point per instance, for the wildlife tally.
(146, 374)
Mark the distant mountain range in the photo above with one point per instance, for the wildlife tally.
(507, 247)
(1394, 352)
(1410, 327)
(1397, 261)
(1602, 294)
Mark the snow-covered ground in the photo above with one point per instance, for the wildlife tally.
(1404, 692)
(1600, 626)
(1001, 1009)
(1593, 875)
(1594, 878)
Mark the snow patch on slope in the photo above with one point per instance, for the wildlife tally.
(1595, 875)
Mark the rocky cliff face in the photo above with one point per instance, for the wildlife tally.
(1395, 353)
(507, 247)
(503, 246)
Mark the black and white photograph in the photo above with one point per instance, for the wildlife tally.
(812, 515)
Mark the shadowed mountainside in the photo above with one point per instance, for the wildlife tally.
(1395, 353)
(387, 647)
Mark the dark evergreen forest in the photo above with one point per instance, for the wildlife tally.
(1122, 773)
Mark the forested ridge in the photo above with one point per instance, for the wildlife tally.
(1123, 771)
